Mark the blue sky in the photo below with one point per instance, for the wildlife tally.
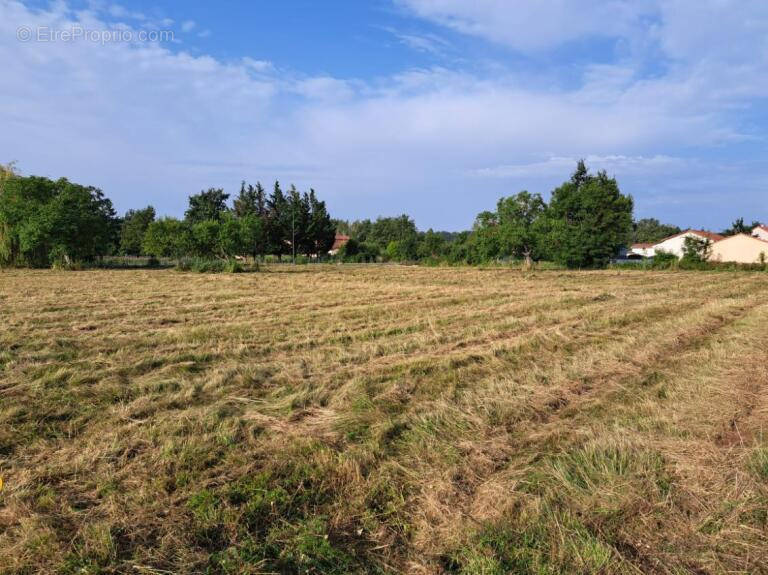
(435, 108)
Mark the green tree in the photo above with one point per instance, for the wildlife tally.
(342, 227)
(133, 228)
(7, 237)
(485, 242)
(43, 221)
(519, 222)
(399, 229)
(253, 235)
(458, 248)
(168, 237)
(277, 222)
(696, 249)
(250, 201)
(239, 236)
(231, 238)
(588, 220)
(207, 205)
(297, 222)
(358, 229)
(321, 228)
(250, 230)
(206, 239)
(432, 244)
(651, 231)
(739, 227)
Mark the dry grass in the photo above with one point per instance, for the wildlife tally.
(383, 419)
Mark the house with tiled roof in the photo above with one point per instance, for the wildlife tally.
(339, 241)
(675, 244)
(740, 248)
(641, 250)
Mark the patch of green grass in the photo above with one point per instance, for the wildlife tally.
(547, 544)
(271, 519)
(306, 547)
(758, 463)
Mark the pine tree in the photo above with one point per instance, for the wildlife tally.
(297, 222)
(276, 211)
(250, 201)
(260, 200)
(322, 229)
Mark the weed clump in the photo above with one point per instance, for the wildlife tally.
(758, 463)
(205, 265)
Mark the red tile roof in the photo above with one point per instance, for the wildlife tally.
(339, 241)
(642, 245)
(711, 236)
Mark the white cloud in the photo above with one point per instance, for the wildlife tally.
(188, 25)
(421, 42)
(560, 165)
(150, 124)
(531, 26)
(120, 11)
(257, 65)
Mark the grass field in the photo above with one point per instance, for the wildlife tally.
(383, 420)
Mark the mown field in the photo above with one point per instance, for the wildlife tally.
(383, 419)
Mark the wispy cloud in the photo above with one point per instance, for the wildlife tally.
(151, 123)
(540, 25)
(424, 42)
(560, 165)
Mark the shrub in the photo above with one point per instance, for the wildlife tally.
(358, 252)
(664, 260)
(234, 267)
(206, 265)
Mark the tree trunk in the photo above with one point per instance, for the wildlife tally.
(528, 264)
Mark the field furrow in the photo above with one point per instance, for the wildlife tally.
(375, 419)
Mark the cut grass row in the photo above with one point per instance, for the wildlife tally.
(382, 419)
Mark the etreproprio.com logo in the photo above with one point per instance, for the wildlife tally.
(78, 33)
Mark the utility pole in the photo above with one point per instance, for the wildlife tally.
(293, 230)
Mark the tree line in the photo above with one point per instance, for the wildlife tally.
(585, 223)
(45, 222)
(257, 224)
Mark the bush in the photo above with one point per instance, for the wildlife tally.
(664, 260)
(63, 264)
(234, 267)
(216, 266)
(358, 252)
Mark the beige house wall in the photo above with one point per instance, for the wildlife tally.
(740, 248)
(675, 244)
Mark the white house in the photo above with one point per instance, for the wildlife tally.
(761, 232)
(674, 244)
(642, 250)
